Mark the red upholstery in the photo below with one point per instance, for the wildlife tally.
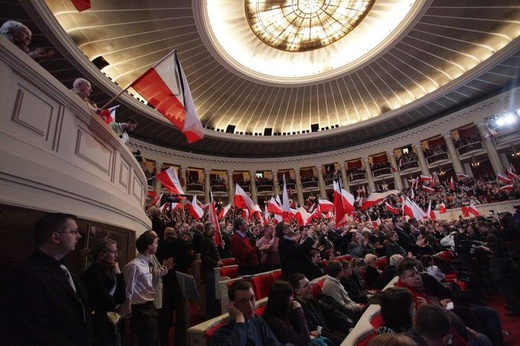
(377, 321)
(276, 275)
(230, 271)
(382, 262)
(446, 255)
(317, 288)
(227, 261)
(261, 285)
(346, 257)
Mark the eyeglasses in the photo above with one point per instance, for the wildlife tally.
(71, 232)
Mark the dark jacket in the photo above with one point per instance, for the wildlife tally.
(293, 256)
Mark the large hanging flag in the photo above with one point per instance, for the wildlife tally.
(213, 219)
(170, 180)
(378, 197)
(166, 89)
(242, 200)
(338, 206)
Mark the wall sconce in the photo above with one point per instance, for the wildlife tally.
(474, 163)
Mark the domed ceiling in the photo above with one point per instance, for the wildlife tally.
(282, 78)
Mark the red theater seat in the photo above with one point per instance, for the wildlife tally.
(261, 285)
(276, 275)
(230, 271)
(227, 261)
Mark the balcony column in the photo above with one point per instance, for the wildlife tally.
(276, 184)
(423, 164)
(344, 179)
(321, 181)
(491, 151)
(230, 188)
(299, 191)
(182, 173)
(454, 154)
(398, 181)
(157, 185)
(207, 185)
(504, 158)
(252, 186)
(368, 173)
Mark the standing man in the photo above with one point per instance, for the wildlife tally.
(245, 254)
(139, 304)
(293, 256)
(210, 259)
(44, 304)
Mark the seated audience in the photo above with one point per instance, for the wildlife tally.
(372, 272)
(353, 285)
(388, 273)
(332, 287)
(397, 310)
(392, 340)
(432, 326)
(315, 268)
(21, 36)
(335, 325)
(244, 328)
(285, 316)
(432, 269)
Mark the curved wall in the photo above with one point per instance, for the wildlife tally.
(57, 156)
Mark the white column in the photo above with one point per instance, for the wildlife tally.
(398, 181)
(230, 188)
(491, 151)
(252, 186)
(368, 173)
(323, 193)
(454, 154)
(299, 191)
(157, 186)
(207, 185)
(423, 164)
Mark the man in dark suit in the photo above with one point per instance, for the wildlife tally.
(293, 256)
(46, 305)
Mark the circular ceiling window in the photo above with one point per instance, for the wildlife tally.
(303, 25)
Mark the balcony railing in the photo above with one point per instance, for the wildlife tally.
(410, 165)
(194, 187)
(437, 157)
(311, 184)
(264, 189)
(467, 148)
(357, 176)
(382, 171)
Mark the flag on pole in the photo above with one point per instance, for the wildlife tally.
(391, 209)
(273, 207)
(302, 216)
(412, 210)
(377, 197)
(442, 208)
(195, 209)
(452, 184)
(213, 219)
(286, 207)
(506, 188)
(425, 178)
(108, 115)
(170, 180)
(338, 205)
(469, 209)
(428, 188)
(348, 201)
(324, 205)
(511, 173)
(223, 212)
(242, 200)
(504, 179)
(165, 87)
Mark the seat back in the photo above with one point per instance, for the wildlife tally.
(262, 284)
(230, 271)
(382, 262)
(227, 261)
(276, 274)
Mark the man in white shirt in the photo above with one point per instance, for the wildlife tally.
(332, 287)
(139, 305)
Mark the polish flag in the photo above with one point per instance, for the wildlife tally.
(427, 188)
(170, 180)
(286, 207)
(242, 200)
(426, 178)
(469, 209)
(412, 210)
(462, 176)
(195, 209)
(430, 214)
(324, 205)
(348, 201)
(257, 212)
(391, 209)
(302, 216)
(223, 212)
(213, 219)
(506, 188)
(452, 184)
(377, 197)
(273, 207)
(108, 115)
(503, 179)
(511, 173)
(338, 206)
(156, 200)
(442, 208)
(316, 214)
(166, 88)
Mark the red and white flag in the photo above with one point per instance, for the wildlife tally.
(511, 173)
(165, 87)
(302, 216)
(324, 205)
(338, 206)
(273, 207)
(391, 209)
(412, 210)
(257, 212)
(286, 206)
(442, 208)
(428, 188)
(430, 214)
(452, 184)
(426, 178)
(213, 219)
(223, 212)
(462, 176)
(348, 201)
(242, 200)
(506, 188)
(108, 115)
(195, 209)
(378, 197)
(469, 209)
(170, 180)
(503, 179)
